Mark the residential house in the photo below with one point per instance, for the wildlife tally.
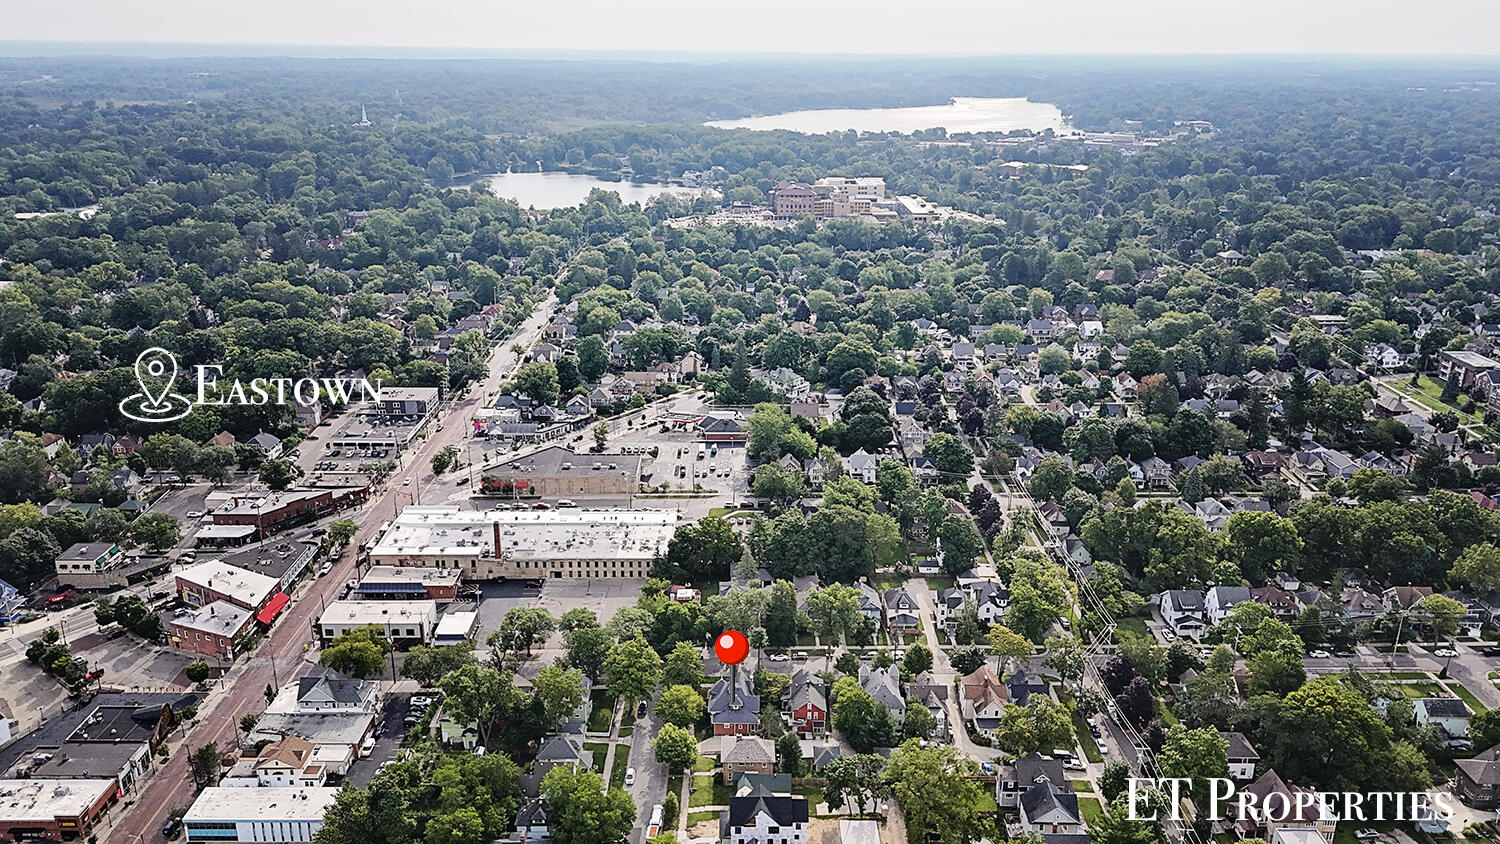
(1281, 603)
(1242, 756)
(734, 710)
(861, 466)
(1183, 611)
(1021, 686)
(1305, 813)
(1477, 780)
(1016, 777)
(984, 699)
(884, 685)
(1051, 808)
(761, 817)
(901, 613)
(807, 705)
(740, 754)
(1221, 599)
(926, 690)
(1448, 713)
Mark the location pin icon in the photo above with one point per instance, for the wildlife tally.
(157, 364)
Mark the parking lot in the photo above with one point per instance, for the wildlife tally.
(390, 734)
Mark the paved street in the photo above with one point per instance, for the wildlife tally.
(285, 654)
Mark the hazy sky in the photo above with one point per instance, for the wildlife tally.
(966, 27)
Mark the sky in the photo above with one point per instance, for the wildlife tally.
(927, 27)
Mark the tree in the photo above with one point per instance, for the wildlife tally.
(864, 723)
(1276, 673)
(593, 360)
(936, 796)
(1115, 826)
(1136, 701)
(854, 780)
(341, 532)
(358, 653)
(1371, 485)
(1067, 656)
(196, 672)
(1264, 543)
(704, 551)
(1484, 728)
(428, 665)
(156, 531)
(1441, 614)
(444, 460)
(961, 544)
(952, 458)
(781, 615)
(277, 474)
(788, 753)
(632, 670)
(561, 692)
(834, 610)
(1039, 595)
(1006, 645)
(1326, 734)
(1041, 725)
(601, 433)
(1199, 755)
(674, 747)
(1114, 779)
(683, 667)
(204, 763)
(525, 627)
(919, 722)
(1052, 479)
(462, 826)
(773, 482)
(581, 811)
(1478, 567)
(1157, 395)
(586, 649)
(538, 381)
(681, 705)
(27, 556)
(917, 659)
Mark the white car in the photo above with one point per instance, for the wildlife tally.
(1319, 654)
(779, 657)
(406, 482)
(1445, 652)
(1366, 834)
(629, 776)
(195, 514)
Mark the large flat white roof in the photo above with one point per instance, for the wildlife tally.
(378, 613)
(571, 534)
(44, 800)
(261, 804)
(248, 587)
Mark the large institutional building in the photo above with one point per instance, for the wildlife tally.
(529, 544)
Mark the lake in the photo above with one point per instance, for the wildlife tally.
(555, 189)
(962, 114)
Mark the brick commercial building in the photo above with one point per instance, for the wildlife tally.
(280, 510)
(558, 471)
(388, 583)
(53, 810)
(214, 630)
(216, 580)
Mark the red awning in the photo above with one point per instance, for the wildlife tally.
(274, 608)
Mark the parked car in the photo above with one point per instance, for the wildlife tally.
(170, 829)
(1445, 652)
(629, 776)
(1319, 654)
(1366, 834)
(779, 657)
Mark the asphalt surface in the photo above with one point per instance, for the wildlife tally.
(285, 654)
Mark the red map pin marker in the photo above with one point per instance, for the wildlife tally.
(732, 647)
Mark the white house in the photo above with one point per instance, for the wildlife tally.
(1183, 611)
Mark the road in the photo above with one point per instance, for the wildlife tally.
(283, 655)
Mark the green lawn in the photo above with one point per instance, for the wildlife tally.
(1134, 625)
(699, 817)
(813, 794)
(1466, 696)
(710, 792)
(617, 774)
(627, 718)
(1083, 786)
(598, 748)
(704, 763)
(1165, 714)
(603, 711)
(1091, 810)
(1086, 738)
(1416, 690)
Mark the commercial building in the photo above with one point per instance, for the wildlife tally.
(400, 622)
(215, 580)
(390, 583)
(558, 471)
(792, 199)
(115, 738)
(265, 815)
(455, 628)
(1466, 365)
(285, 559)
(867, 188)
(53, 810)
(407, 401)
(91, 565)
(530, 544)
(213, 630)
(280, 510)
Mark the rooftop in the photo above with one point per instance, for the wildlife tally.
(246, 587)
(586, 534)
(220, 618)
(377, 612)
(558, 460)
(277, 804)
(45, 800)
